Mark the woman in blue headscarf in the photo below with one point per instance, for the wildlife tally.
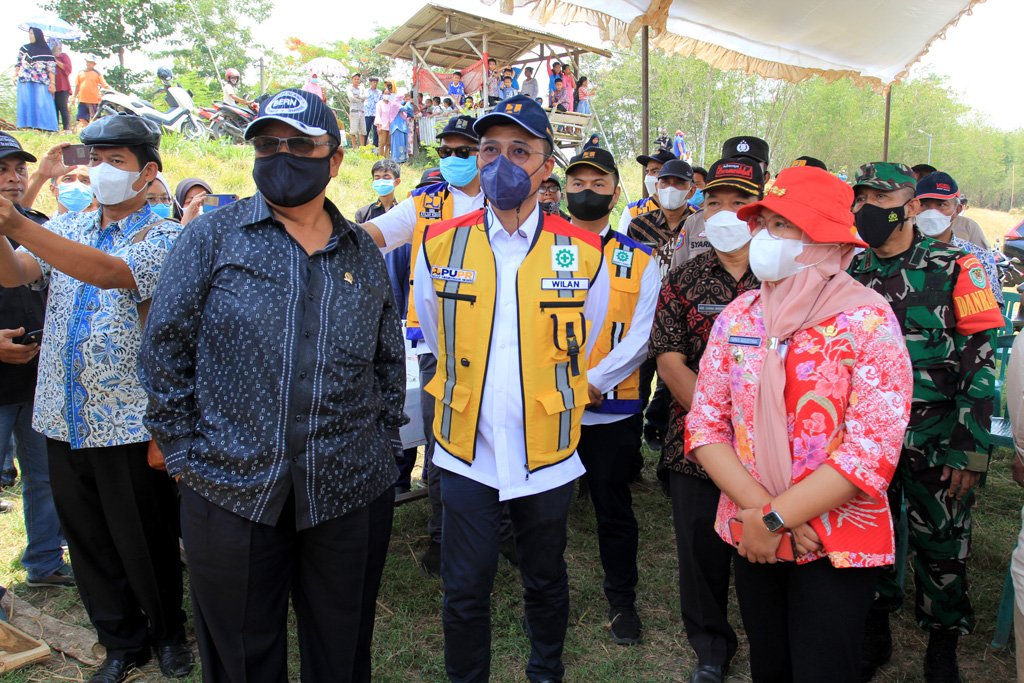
(36, 72)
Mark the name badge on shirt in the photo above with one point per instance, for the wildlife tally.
(564, 283)
(737, 340)
(452, 274)
(711, 309)
(430, 214)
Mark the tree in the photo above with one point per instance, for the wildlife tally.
(116, 27)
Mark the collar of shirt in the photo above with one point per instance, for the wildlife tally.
(260, 213)
(914, 258)
(528, 228)
(469, 197)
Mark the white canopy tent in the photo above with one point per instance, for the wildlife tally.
(873, 42)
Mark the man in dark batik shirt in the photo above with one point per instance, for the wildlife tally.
(691, 299)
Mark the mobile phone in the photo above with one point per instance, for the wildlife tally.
(219, 200)
(76, 155)
(30, 338)
(786, 550)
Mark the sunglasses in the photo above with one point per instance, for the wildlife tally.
(463, 152)
(300, 146)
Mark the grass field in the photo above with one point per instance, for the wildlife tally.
(408, 645)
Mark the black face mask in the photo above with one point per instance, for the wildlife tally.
(588, 205)
(876, 224)
(550, 208)
(287, 180)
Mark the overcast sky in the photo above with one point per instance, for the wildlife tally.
(978, 55)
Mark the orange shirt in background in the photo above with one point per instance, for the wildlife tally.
(87, 86)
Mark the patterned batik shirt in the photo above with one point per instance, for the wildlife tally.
(847, 396)
(652, 230)
(688, 306)
(943, 302)
(372, 98)
(273, 372)
(88, 392)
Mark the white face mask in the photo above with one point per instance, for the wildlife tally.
(113, 185)
(651, 183)
(671, 198)
(933, 222)
(726, 232)
(774, 259)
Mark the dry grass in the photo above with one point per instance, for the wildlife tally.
(995, 224)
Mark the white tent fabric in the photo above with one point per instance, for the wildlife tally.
(873, 42)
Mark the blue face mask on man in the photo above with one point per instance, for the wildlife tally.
(74, 196)
(698, 197)
(383, 186)
(458, 172)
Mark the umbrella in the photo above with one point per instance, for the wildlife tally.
(326, 66)
(52, 26)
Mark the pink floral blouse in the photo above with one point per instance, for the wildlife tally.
(848, 391)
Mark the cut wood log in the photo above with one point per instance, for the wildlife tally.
(19, 649)
(72, 640)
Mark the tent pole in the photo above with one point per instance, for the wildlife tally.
(645, 97)
(888, 114)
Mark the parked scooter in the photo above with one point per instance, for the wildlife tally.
(178, 119)
(231, 120)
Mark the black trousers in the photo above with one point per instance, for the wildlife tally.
(60, 100)
(704, 564)
(805, 623)
(656, 407)
(119, 518)
(607, 452)
(242, 573)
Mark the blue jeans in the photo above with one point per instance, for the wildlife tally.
(43, 554)
(469, 561)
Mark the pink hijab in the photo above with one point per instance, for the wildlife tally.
(800, 301)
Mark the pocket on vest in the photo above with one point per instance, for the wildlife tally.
(457, 399)
(557, 401)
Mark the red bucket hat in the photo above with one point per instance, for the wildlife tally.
(814, 200)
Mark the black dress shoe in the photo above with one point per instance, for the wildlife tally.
(706, 673)
(175, 660)
(112, 671)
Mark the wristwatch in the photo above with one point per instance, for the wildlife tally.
(772, 520)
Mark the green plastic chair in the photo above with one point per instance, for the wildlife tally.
(1011, 306)
(1005, 618)
(1000, 430)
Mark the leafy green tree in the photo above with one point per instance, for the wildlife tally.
(117, 27)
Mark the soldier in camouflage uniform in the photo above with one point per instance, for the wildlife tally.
(949, 317)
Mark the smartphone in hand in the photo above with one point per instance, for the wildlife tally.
(76, 155)
(218, 200)
(35, 337)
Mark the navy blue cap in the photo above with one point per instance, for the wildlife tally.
(937, 185)
(9, 145)
(677, 168)
(459, 125)
(663, 155)
(301, 110)
(597, 157)
(429, 177)
(522, 111)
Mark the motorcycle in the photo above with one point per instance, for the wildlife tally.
(178, 119)
(231, 120)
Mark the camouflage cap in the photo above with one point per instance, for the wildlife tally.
(885, 176)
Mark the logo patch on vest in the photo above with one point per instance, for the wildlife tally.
(623, 257)
(564, 283)
(452, 274)
(565, 257)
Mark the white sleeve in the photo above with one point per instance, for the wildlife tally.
(397, 224)
(624, 220)
(425, 299)
(629, 353)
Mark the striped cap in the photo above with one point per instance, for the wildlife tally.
(738, 173)
(301, 110)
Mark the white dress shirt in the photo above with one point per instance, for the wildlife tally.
(631, 351)
(397, 225)
(500, 461)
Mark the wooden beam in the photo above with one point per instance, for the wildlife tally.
(645, 97)
(447, 39)
(431, 71)
(888, 115)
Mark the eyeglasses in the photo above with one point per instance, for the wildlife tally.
(517, 152)
(777, 227)
(463, 152)
(158, 199)
(300, 146)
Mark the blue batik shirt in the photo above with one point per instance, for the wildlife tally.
(88, 392)
(370, 105)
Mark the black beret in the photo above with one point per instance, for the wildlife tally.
(121, 130)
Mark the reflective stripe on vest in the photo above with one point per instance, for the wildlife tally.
(433, 203)
(642, 206)
(552, 333)
(626, 260)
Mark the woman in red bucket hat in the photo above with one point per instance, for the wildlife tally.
(799, 412)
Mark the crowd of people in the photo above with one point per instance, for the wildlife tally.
(807, 355)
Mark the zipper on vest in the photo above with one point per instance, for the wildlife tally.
(471, 298)
(560, 304)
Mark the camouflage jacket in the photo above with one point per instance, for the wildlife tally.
(950, 319)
